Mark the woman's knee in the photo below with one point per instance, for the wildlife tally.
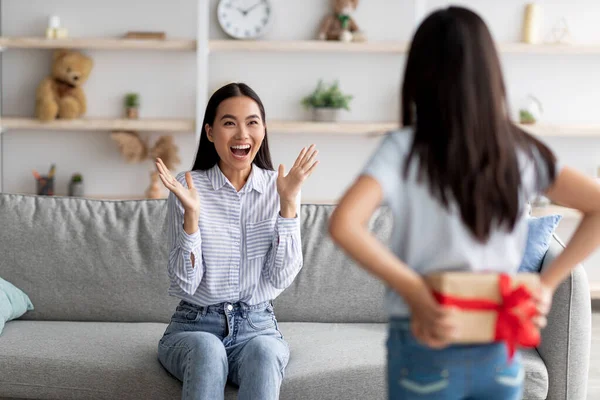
(202, 346)
(264, 350)
(192, 349)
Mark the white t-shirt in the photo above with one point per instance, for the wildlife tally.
(428, 237)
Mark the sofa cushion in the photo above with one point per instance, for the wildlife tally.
(89, 360)
(331, 287)
(87, 260)
(13, 303)
(539, 237)
(93, 260)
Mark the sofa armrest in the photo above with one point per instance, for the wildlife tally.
(566, 340)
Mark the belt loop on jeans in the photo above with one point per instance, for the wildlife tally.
(203, 311)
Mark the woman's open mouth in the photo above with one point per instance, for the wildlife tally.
(241, 151)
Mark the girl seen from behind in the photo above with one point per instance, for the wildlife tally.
(457, 178)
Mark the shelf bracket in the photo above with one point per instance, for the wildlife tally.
(202, 59)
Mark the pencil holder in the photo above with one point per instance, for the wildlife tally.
(45, 186)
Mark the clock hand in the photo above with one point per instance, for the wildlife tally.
(253, 7)
(244, 12)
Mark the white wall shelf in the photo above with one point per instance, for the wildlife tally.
(100, 124)
(339, 128)
(316, 46)
(394, 47)
(97, 43)
(188, 125)
(594, 290)
(525, 48)
(230, 45)
(275, 126)
(560, 130)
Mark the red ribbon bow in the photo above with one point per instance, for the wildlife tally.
(514, 324)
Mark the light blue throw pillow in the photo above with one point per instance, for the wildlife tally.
(13, 303)
(538, 241)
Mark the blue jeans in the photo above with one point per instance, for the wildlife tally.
(458, 372)
(204, 347)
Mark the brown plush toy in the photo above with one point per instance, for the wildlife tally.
(167, 151)
(131, 146)
(60, 95)
(135, 150)
(340, 25)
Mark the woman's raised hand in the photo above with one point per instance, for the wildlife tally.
(289, 185)
(189, 198)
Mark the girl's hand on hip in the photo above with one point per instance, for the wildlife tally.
(189, 198)
(431, 323)
(543, 300)
(288, 186)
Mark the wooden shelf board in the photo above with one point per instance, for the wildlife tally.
(97, 43)
(307, 46)
(365, 128)
(595, 290)
(562, 130)
(393, 47)
(276, 127)
(553, 209)
(340, 128)
(100, 124)
(525, 48)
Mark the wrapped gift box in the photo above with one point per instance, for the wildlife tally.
(483, 314)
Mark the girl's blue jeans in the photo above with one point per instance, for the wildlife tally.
(457, 372)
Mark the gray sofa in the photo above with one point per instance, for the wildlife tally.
(96, 273)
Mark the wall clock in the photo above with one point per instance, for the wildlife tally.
(245, 19)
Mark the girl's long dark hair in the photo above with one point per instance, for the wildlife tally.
(465, 145)
(206, 156)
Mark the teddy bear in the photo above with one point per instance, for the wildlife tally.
(136, 150)
(340, 25)
(60, 95)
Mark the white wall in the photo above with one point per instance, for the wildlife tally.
(567, 85)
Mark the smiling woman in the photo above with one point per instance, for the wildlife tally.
(234, 239)
(235, 117)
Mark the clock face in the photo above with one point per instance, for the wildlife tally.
(244, 19)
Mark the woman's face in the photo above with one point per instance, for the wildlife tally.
(237, 132)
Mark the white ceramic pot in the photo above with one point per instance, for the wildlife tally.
(325, 114)
(76, 189)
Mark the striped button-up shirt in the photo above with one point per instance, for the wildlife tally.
(244, 249)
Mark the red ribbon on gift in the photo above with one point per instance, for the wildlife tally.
(514, 324)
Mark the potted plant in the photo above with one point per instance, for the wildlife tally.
(76, 186)
(526, 117)
(531, 111)
(132, 104)
(327, 101)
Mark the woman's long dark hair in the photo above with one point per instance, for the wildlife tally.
(454, 97)
(206, 156)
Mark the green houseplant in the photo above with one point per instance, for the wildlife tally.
(525, 117)
(531, 111)
(326, 101)
(76, 185)
(132, 105)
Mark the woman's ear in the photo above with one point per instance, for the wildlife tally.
(208, 130)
